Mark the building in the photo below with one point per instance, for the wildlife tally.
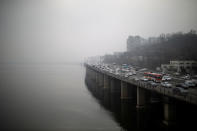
(118, 54)
(187, 66)
(134, 41)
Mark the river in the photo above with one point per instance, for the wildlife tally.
(54, 97)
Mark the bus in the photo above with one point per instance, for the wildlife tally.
(156, 77)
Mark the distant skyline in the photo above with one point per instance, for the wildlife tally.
(70, 30)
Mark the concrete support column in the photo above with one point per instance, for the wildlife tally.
(97, 77)
(87, 72)
(132, 91)
(94, 75)
(106, 82)
(169, 112)
(101, 79)
(155, 97)
(97, 82)
(106, 90)
(90, 73)
(112, 85)
(141, 98)
(115, 85)
(124, 90)
(115, 91)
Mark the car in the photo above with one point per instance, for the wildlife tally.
(185, 86)
(153, 83)
(180, 91)
(126, 75)
(136, 79)
(137, 68)
(189, 83)
(194, 81)
(176, 73)
(134, 73)
(130, 74)
(163, 83)
(117, 73)
(111, 71)
(186, 77)
(166, 84)
(144, 79)
(166, 78)
(143, 69)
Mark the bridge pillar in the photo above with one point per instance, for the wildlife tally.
(106, 82)
(94, 75)
(141, 98)
(115, 85)
(132, 91)
(155, 97)
(169, 112)
(90, 72)
(87, 72)
(106, 91)
(97, 82)
(124, 90)
(112, 85)
(97, 77)
(101, 79)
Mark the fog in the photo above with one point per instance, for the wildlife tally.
(71, 30)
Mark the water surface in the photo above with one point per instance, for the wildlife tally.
(60, 97)
(49, 97)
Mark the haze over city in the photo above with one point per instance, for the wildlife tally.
(70, 30)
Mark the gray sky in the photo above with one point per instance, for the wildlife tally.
(69, 30)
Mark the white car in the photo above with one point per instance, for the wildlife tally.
(136, 79)
(134, 73)
(117, 73)
(126, 75)
(166, 78)
(176, 73)
(130, 74)
(187, 77)
(166, 84)
(144, 79)
(143, 69)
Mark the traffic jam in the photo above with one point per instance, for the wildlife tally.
(179, 84)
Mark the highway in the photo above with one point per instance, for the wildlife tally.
(133, 73)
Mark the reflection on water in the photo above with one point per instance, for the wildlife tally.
(125, 113)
